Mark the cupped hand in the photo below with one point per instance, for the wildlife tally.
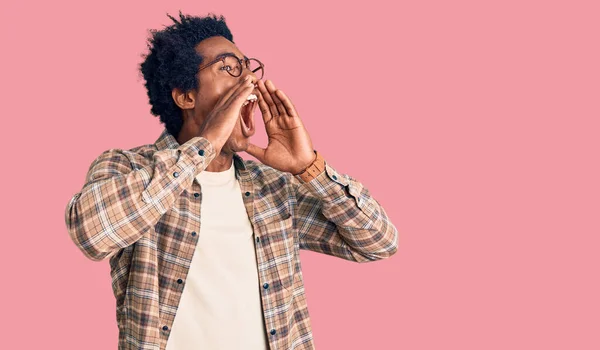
(289, 146)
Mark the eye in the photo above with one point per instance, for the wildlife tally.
(227, 68)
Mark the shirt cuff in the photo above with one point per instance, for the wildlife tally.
(330, 184)
(199, 151)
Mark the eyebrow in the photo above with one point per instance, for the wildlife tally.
(224, 54)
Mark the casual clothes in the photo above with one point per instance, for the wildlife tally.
(143, 210)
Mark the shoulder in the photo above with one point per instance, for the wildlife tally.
(121, 158)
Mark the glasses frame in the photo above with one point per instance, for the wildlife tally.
(240, 61)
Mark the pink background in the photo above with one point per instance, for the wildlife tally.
(475, 124)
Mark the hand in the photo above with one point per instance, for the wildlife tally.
(289, 147)
(219, 123)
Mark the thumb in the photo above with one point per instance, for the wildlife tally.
(256, 152)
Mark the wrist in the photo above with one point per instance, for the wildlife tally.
(316, 168)
(309, 164)
(213, 141)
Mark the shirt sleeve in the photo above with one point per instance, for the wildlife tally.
(336, 215)
(119, 204)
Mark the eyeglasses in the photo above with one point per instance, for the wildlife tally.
(233, 65)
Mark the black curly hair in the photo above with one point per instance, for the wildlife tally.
(173, 62)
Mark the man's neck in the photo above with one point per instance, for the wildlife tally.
(220, 163)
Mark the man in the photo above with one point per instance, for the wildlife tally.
(204, 245)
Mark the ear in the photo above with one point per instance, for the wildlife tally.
(185, 100)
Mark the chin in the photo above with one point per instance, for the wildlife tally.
(238, 144)
(242, 146)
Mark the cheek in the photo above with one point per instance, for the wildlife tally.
(211, 91)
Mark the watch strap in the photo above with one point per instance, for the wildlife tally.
(315, 169)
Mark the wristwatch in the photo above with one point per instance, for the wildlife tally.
(314, 169)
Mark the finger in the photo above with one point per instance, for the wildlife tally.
(267, 97)
(256, 152)
(241, 94)
(264, 108)
(225, 99)
(272, 90)
(289, 106)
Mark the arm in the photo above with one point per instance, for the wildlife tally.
(118, 204)
(337, 216)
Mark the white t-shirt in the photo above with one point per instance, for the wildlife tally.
(220, 306)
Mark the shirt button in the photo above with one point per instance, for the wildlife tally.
(273, 332)
(180, 281)
(194, 234)
(334, 177)
(165, 328)
(175, 174)
(196, 195)
(266, 285)
(201, 152)
(247, 194)
(257, 239)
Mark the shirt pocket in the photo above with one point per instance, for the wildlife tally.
(278, 240)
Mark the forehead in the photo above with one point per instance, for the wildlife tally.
(212, 47)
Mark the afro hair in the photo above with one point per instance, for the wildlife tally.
(172, 62)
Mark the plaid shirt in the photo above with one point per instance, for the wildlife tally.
(140, 208)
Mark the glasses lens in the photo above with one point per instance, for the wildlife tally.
(232, 66)
(255, 67)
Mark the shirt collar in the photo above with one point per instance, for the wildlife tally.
(167, 141)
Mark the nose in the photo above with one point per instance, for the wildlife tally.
(247, 72)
